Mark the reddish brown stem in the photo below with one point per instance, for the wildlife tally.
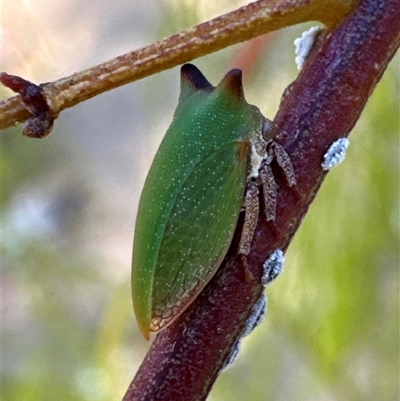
(322, 105)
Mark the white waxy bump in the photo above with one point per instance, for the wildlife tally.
(257, 315)
(304, 45)
(273, 266)
(335, 154)
(252, 322)
(232, 357)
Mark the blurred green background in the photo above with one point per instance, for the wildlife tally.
(69, 204)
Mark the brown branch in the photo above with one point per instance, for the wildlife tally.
(240, 25)
(322, 105)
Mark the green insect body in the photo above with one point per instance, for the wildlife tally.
(193, 196)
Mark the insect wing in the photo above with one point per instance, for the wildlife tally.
(192, 197)
(198, 232)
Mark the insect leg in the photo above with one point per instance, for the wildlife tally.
(250, 218)
(249, 225)
(269, 190)
(285, 163)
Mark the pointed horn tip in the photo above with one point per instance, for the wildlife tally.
(194, 77)
(233, 82)
(189, 69)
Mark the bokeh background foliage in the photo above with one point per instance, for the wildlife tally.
(69, 203)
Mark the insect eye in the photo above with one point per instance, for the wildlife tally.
(268, 130)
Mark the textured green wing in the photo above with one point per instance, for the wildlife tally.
(199, 231)
(192, 197)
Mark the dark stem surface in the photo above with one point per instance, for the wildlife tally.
(322, 105)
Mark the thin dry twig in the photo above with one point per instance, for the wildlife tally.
(237, 26)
